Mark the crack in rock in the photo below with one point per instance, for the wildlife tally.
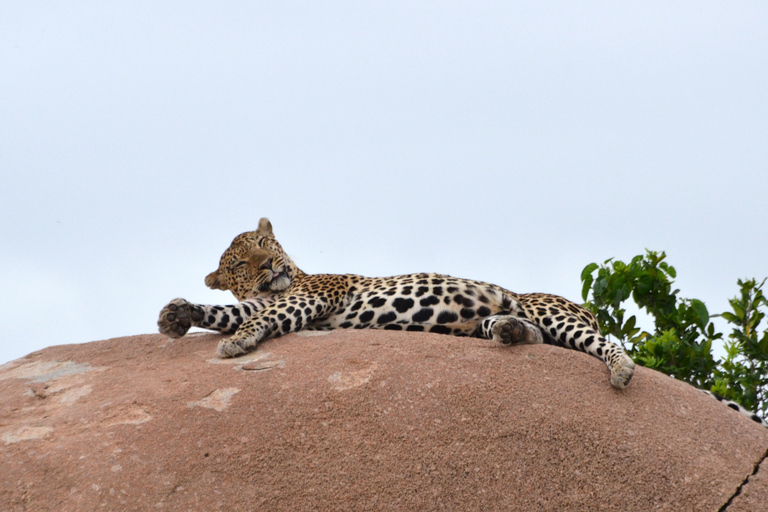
(262, 366)
(742, 484)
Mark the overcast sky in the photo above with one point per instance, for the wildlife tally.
(504, 141)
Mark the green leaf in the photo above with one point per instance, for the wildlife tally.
(586, 287)
(587, 272)
(626, 291)
(644, 285)
(701, 312)
(639, 338)
(600, 285)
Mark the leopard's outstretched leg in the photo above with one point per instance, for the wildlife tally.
(570, 325)
(287, 314)
(179, 315)
(621, 365)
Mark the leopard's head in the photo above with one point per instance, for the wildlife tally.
(254, 265)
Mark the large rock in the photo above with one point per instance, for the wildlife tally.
(362, 420)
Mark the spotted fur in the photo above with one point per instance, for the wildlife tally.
(277, 298)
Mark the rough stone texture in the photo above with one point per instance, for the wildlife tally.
(362, 420)
(754, 494)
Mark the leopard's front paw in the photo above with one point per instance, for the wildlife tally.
(510, 330)
(622, 372)
(233, 347)
(177, 317)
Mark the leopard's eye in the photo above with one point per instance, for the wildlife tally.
(267, 265)
(237, 265)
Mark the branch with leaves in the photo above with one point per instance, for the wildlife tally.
(680, 343)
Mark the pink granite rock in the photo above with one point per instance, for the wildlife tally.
(362, 420)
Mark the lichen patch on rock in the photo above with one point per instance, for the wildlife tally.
(44, 371)
(126, 414)
(26, 434)
(343, 380)
(217, 400)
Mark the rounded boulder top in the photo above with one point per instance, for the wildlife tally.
(363, 420)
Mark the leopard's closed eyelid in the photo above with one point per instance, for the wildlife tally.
(238, 264)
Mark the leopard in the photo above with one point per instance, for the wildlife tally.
(275, 298)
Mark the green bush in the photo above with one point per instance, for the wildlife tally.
(743, 375)
(680, 343)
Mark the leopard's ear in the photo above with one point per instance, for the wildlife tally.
(215, 282)
(265, 228)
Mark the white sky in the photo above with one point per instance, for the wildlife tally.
(510, 142)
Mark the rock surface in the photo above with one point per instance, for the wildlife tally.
(362, 420)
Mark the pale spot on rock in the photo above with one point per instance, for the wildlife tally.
(250, 362)
(26, 434)
(44, 371)
(245, 359)
(73, 395)
(217, 400)
(352, 379)
(127, 415)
